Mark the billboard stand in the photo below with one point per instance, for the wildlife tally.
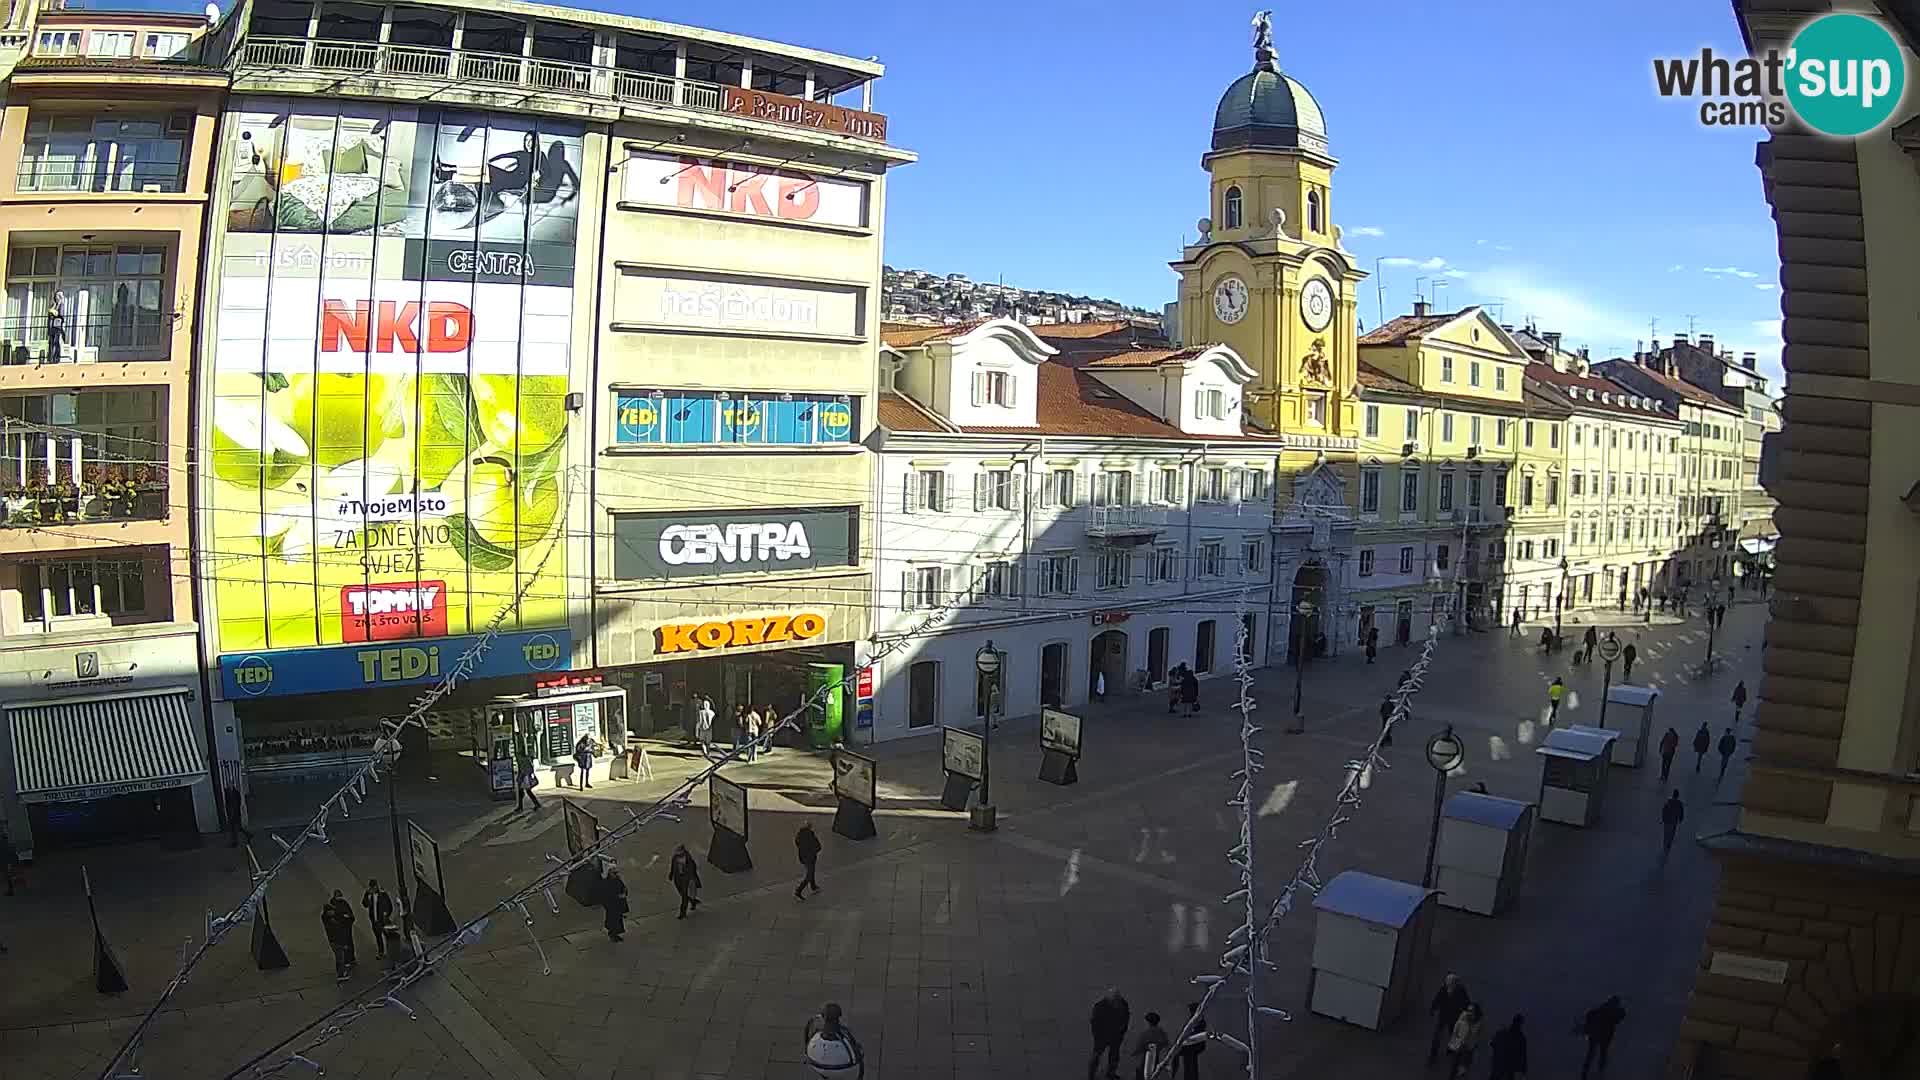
(727, 806)
(267, 953)
(109, 977)
(1059, 747)
(430, 914)
(962, 754)
(583, 831)
(853, 787)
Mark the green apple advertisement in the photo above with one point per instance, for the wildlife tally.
(388, 427)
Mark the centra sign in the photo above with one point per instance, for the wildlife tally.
(690, 637)
(770, 541)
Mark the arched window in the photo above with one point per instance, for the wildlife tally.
(1314, 223)
(1230, 212)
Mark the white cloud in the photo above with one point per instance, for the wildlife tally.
(1524, 294)
(1478, 243)
(1675, 267)
(1454, 272)
(1766, 286)
(1367, 230)
(1769, 327)
(1729, 271)
(1435, 263)
(1501, 247)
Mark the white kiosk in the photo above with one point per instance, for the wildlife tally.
(1573, 774)
(1630, 712)
(1483, 851)
(1369, 942)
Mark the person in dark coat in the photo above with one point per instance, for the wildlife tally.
(1629, 655)
(1601, 1022)
(1672, 813)
(1507, 1053)
(1195, 1045)
(1669, 746)
(1728, 744)
(1386, 718)
(1108, 1022)
(1702, 742)
(1373, 643)
(1739, 699)
(336, 918)
(1190, 689)
(684, 872)
(1447, 1004)
(807, 846)
(613, 898)
(1588, 643)
(378, 904)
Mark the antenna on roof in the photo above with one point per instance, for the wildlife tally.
(1690, 320)
(1379, 295)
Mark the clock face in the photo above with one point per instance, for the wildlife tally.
(1230, 300)
(1316, 304)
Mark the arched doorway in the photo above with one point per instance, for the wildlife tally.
(1309, 587)
(1107, 656)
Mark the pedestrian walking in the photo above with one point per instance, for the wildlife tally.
(1702, 742)
(1728, 744)
(583, 759)
(769, 721)
(703, 725)
(739, 733)
(753, 735)
(1515, 632)
(236, 815)
(525, 780)
(1190, 690)
(1601, 1022)
(1588, 642)
(613, 899)
(336, 918)
(1100, 686)
(807, 846)
(1373, 643)
(1739, 699)
(378, 904)
(1175, 694)
(1629, 655)
(1555, 691)
(1150, 1047)
(832, 1051)
(1672, 813)
(1108, 1022)
(684, 872)
(1507, 1051)
(1386, 721)
(1195, 1044)
(1669, 746)
(1467, 1028)
(1448, 1003)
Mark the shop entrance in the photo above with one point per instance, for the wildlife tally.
(1250, 624)
(1053, 674)
(1309, 588)
(1157, 655)
(165, 815)
(923, 694)
(1107, 657)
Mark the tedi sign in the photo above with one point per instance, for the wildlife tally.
(685, 544)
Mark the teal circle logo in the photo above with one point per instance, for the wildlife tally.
(1845, 74)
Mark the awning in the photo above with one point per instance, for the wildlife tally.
(90, 748)
(1759, 545)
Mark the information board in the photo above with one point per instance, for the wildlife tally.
(962, 752)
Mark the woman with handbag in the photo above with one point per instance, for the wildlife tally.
(684, 872)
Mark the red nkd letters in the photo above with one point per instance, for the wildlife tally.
(742, 191)
(395, 326)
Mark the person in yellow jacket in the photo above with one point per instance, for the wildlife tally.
(1555, 692)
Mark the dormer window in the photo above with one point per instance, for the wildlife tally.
(1230, 209)
(1315, 222)
(993, 388)
(1210, 405)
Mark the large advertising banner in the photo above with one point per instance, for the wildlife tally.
(389, 418)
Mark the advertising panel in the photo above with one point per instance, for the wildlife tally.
(728, 802)
(737, 305)
(853, 777)
(1060, 731)
(426, 855)
(388, 426)
(316, 671)
(736, 188)
(735, 418)
(583, 829)
(706, 543)
(961, 752)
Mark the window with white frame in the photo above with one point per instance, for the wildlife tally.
(1253, 556)
(1366, 562)
(1553, 436)
(1058, 574)
(1473, 373)
(1442, 557)
(1549, 548)
(1473, 489)
(1116, 569)
(1212, 558)
(1317, 409)
(1409, 491)
(1446, 369)
(926, 491)
(1499, 377)
(1446, 491)
(1576, 434)
(113, 44)
(164, 46)
(1446, 427)
(1213, 484)
(1523, 551)
(1164, 563)
(998, 579)
(1369, 491)
(1406, 560)
(1236, 484)
(1412, 424)
(1500, 432)
(1059, 485)
(58, 43)
(1210, 404)
(1473, 432)
(996, 489)
(1526, 489)
(1166, 485)
(1553, 491)
(1373, 421)
(1113, 487)
(1579, 483)
(924, 587)
(1254, 487)
(1526, 434)
(993, 388)
(82, 588)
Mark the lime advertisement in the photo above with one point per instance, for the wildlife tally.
(388, 430)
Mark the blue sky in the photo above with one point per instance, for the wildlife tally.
(1517, 145)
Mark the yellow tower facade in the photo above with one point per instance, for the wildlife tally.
(1268, 276)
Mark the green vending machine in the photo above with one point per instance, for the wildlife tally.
(826, 691)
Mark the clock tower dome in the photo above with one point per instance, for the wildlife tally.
(1268, 275)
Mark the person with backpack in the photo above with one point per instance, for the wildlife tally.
(807, 846)
(1601, 1022)
(1669, 746)
(1728, 744)
(831, 1049)
(1702, 742)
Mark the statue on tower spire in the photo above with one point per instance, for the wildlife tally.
(1263, 40)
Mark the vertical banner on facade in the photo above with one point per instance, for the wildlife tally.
(388, 429)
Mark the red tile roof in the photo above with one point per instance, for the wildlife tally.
(1091, 329)
(900, 413)
(1397, 330)
(1372, 378)
(1138, 358)
(909, 335)
(1557, 383)
(1541, 403)
(1070, 402)
(1678, 386)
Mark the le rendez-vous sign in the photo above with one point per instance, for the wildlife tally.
(799, 112)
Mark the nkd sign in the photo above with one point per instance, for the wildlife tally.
(696, 544)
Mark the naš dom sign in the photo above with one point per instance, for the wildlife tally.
(693, 637)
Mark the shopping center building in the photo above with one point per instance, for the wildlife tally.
(481, 274)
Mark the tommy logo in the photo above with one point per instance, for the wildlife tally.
(388, 612)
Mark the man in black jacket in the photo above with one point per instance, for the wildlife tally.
(1601, 1022)
(1447, 1004)
(807, 846)
(1672, 813)
(1508, 1051)
(378, 904)
(1108, 1022)
(336, 918)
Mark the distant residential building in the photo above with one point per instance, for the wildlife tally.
(1739, 383)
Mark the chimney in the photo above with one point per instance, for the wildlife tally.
(1421, 307)
(1552, 339)
(1706, 343)
(1679, 339)
(1747, 360)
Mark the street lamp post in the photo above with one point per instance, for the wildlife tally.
(1302, 649)
(389, 750)
(987, 663)
(1559, 602)
(1445, 752)
(1715, 611)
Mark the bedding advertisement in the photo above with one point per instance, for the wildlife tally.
(389, 426)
